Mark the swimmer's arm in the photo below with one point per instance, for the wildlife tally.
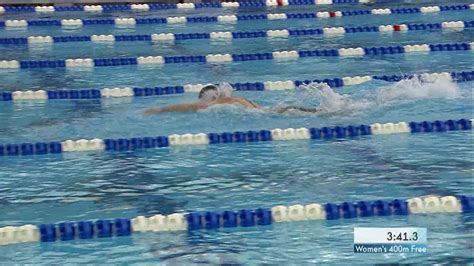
(247, 103)
(238, 100)
(294, 110)
(181, 107)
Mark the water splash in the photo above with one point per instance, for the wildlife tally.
(413, 89)
(416, 88)
(328, 100)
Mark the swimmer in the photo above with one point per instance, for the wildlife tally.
(211, 95)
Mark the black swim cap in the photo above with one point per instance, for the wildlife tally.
(206, 88)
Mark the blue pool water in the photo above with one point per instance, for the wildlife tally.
(92, 185)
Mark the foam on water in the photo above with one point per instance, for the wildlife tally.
(413, 89)
(328, 100)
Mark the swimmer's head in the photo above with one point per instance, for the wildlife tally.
(208, 89)
(213, 92)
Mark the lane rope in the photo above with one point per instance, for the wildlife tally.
(277, 134)
(132, 22)
(228, 58)
(240, 35)
(212, 220)
(48, 9)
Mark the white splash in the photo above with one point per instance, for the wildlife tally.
(415, 88)
(330, 101)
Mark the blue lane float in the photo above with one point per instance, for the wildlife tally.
(92, 94)
(228, 18)
(212, 220)
(229, 58)
(322, 133)
(278, 33)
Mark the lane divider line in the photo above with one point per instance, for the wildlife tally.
(48, 9)
(228, 58)
(212, 220)
(277, 134)
(132, 22)
(242, 35)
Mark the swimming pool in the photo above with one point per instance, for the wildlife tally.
(78, 186)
